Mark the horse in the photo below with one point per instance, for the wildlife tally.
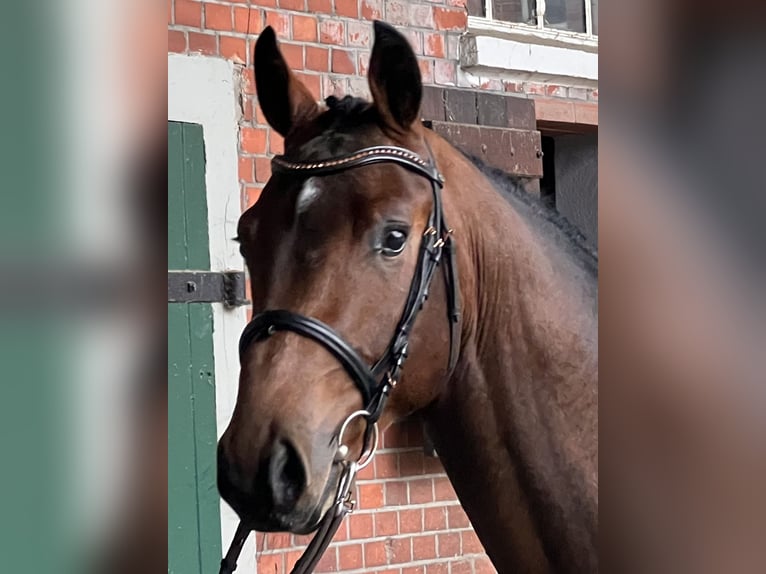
(505, 377)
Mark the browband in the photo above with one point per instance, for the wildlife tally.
(365, 156)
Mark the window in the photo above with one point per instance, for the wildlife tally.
(576, 16)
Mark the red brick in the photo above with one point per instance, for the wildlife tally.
(253, 140)
(246, 169)
(260, 119)
(483, 566)
(342, 533)
(280, 22)
(387, 465)
(328, 562)
(433, 518)
(270, 564)
(445, 72)
(432, 465)
(370, 495)
(443, 489)
(276, 143)
(292, 5)
(290, 559)
(421, 491)
(360, 526)
(170, 12)
(248, 20)
(262, 175)
(450, 19)
(397, 12)
(304, 28)
(176, 41)
(424, 547)
(586, 113)
(363, 65)
(412, 569)
(265, 3)
(331, 32)
(293, 54)
(234, 49)
(449, 544)
(334, 86)
(396, 493)
(554, 110)
(359, 34)
(317, 59)
(400, 550)
(386, 524)
(470, 543)
(277, 540)
(367, 473)
(348, 8)
(314, 84)
(350, 557)
(218, 17)
(438, 568)
(248, 81)
(343, 62)
(202, 43)
(252, 193)
(247, 109)
(372, 9)
(320, 6)
(411, 463)
(462, 567)
(410, 521)
(426, 70)
(514, 87)
(374, 554)
(433, 45)
(188, 13)
(457, 518)
(421, 16)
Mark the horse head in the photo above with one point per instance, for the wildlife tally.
(344, 248)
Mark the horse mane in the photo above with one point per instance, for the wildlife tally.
(548, 220)
(354, 111)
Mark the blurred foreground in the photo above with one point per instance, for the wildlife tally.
(82, 319)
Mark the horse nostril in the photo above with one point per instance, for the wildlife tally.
(287, 476)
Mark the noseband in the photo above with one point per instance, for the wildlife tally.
(376, 382)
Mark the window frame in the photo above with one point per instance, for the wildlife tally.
(538, 33)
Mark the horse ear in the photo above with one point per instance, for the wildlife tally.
(283, 98)
(394, 77)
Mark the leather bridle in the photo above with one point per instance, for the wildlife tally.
(374, 383)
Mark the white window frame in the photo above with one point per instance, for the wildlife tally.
(488, 23)
(522, 52)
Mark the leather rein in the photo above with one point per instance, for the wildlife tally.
(374, 383)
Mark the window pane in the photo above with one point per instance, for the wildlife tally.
(476, 8)
(594, 16)
(521, 11)
(565, 15)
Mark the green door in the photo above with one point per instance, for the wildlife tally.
(194, 526)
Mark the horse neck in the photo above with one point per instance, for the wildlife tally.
(516, 425)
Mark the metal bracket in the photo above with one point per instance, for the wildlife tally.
(226, 287)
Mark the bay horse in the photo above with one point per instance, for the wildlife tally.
(338, 247)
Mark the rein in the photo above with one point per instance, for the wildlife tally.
(374, 383)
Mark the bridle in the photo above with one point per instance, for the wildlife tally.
(374, 383)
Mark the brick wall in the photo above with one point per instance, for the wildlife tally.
(409, 520)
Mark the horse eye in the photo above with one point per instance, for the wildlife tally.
(394, 242)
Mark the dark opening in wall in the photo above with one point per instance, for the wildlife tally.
(570, 179)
